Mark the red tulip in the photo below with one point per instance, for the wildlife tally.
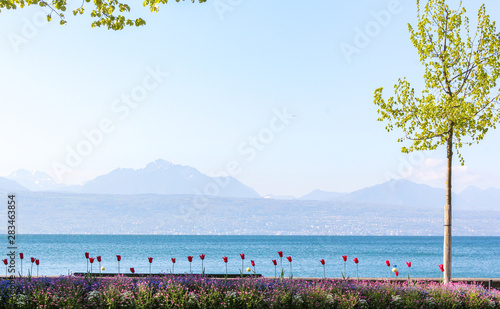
(87, 255)
(99, 258)
(225, 259)
(345, 258)
(21, 255)
(280, 253)
(275, 263)
(91, 260)
(252, 262)
(289, 258)
(5, 261)
(388, 263)
(118, 258)
(408, 264)
(202, 257)
(37, 262)
(132, 270)
(173, 260)
(397, 273)
(242, 255)
(150, 259)
(190, 259)
(441, 266)
(356, 260)
(33, 260)
(322, 261)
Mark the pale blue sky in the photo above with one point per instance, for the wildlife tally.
(228, 76)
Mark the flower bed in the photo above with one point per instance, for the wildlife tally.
(197, 292)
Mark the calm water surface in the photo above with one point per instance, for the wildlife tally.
(60, 254)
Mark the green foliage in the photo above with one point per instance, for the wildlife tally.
(461, 72)
(108, 13)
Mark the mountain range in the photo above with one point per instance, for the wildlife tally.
(158, 177)
(165, 198)
(164, 178)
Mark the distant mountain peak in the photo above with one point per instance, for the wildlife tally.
(33, 180)
(165, 178)
(159, 164)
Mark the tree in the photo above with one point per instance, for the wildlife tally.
(103, 11)
(459, 102)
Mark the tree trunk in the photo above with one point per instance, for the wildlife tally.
(447, 207)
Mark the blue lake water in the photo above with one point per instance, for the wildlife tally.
(60, 254)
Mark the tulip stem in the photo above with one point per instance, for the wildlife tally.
(281, 264)
(357, 273)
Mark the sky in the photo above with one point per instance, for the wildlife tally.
(264, 85)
